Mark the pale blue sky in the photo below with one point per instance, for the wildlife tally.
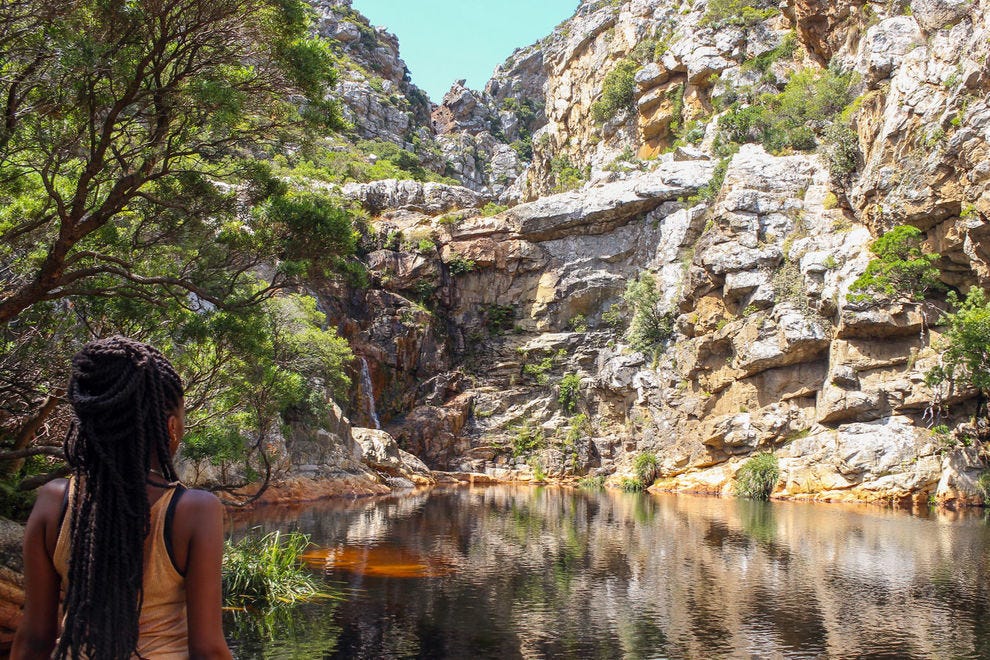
(445, 40)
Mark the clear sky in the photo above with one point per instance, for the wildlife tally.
(445, 40)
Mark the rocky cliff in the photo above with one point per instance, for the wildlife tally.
(733, 164)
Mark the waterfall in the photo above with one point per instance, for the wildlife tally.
(369, 392)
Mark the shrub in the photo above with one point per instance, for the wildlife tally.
(783, 51)
(491, 208)
(983, 486)
(614, 316)
(618, 90)
(539, 474)
(758, 476)
(538, 370)
(900, 270)
(650, 328)
(527, 440)
(795, 117)
(580, 427)
(965, 360)
(523, 147)
(592, 483)
(710, 190)
(567, 175)
(578, 323)
(459, 264)
(841, 148)
(425, 246)
(721, 13)
(266, 571)
(570, 388)
(499, 318)
(647, 467)
(630, 485)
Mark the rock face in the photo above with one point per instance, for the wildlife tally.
(497, 339)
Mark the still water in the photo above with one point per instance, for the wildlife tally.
(526, 572)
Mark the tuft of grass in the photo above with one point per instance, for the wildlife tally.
(592, 483)
(647, 468)
(267, 572)
(758, 476)
(983, 486)
(630, 485)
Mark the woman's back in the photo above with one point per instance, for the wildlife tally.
(163, 632)
(110, 553)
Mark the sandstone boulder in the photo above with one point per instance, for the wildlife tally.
(382, 454)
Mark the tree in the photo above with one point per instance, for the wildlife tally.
(901, 269)
(965, 359)
(650, 327)
(120, 123)
(135, 199)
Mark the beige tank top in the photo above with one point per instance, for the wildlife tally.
(162, 629)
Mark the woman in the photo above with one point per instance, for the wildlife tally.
(135, 556)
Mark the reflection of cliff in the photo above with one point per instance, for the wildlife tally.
(552, 572)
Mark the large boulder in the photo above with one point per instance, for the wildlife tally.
(382, 454)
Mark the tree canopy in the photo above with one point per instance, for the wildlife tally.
(135, 197)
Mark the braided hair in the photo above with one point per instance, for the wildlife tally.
(122, 392)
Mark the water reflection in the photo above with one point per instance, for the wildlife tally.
(516, 572)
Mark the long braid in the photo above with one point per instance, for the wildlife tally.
(122, 393)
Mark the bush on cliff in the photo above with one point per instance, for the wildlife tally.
(757, 477)
(722, 13)
(793, 119)
(965, 359)
(900, 269)
(650, 328)
(618, 90)
(647, 468)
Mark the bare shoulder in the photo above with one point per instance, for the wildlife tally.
(198, 503)
(53, 491)
(48, 504)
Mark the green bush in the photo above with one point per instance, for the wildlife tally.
(426, 246)
(965, 359)
(630, 485)
(614, 317)
(527, 440)
(570, 389)
(710, 190)
(983, 486)
(566, 174)
(538, 371)
(794, 118)
(267, 572)
(499, 318)
(721, 13)
(842, 148)
(459, 264)
(650, 328)
(758, 476)
(578, 323)
(647, 468)
(783, 51)
(539, 474)
(618, 90)
(491, 208)
(580, 427)
(900, 268)
(592, 483)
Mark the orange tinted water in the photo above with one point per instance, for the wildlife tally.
(379, 561)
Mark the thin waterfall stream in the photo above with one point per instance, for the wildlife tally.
(369, 393)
